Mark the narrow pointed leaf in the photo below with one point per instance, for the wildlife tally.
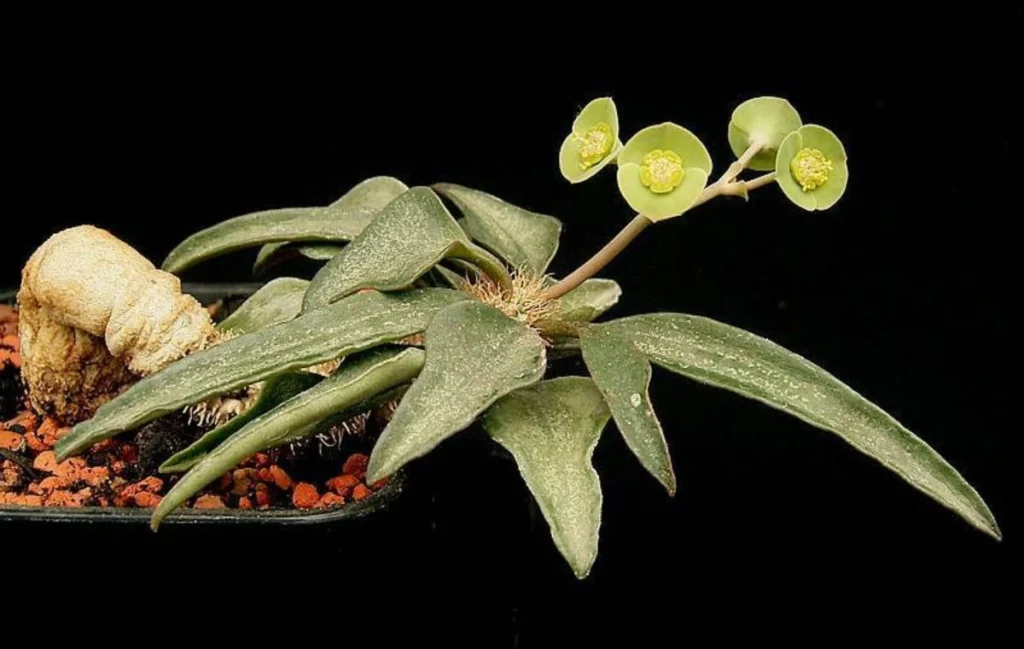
(623, 375)
(342, 220)
(275, 391)
(756, 368)
(280, 300)
(355, 382)
(475, 356)
(408, 237)
(273, 253)
(520, 237)
(552, 429)
(354, 324)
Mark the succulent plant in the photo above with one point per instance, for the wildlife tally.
(400, 264)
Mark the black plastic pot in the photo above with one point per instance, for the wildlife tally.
(380, 500)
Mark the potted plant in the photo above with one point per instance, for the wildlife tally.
(447, 322)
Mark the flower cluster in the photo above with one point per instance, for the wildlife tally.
(664, 169)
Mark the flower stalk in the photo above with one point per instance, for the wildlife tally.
(603, 257)
(725, 185)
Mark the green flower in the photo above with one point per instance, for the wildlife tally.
(593, 143)
(767, 120)
(662, 171)
(811, 167)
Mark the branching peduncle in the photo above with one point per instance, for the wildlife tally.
(726, 185)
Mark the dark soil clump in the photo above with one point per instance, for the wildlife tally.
(162, 438)
(10, 391)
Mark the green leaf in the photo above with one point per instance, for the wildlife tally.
(449, 277)
(589, 300)
(272, 253)
(354, 383)
(274, 392)
(584, 303)
(623, 375)
(552, 429)
(520, 237)
(756, 368)
(339, 221)
(280, 300)
(354, 324)
(408, 237)
(475, 356)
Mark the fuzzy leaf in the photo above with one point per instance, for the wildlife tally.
(278, 301)
(520, 237)
(623, 375)
(449, 277)
(582, 304)
(355, 382)
(275, 391)
(342, 220)
(756, 368)
(354, 324)
(408, 237)
(475, 356)
(551, 429)
(589, 300)
(272, 253)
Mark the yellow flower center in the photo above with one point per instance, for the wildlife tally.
(810, 168)
(662, 171)
(595, 144)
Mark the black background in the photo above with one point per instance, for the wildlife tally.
(904, 291)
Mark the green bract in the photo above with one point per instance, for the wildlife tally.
(766, 120)
(593, 143)
(662, 171)
(811, 167)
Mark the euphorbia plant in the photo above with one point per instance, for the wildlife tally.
(478, 289)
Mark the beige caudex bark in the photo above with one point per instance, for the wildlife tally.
(94, 316)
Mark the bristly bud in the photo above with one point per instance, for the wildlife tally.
(524, 302)
(326, 368)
